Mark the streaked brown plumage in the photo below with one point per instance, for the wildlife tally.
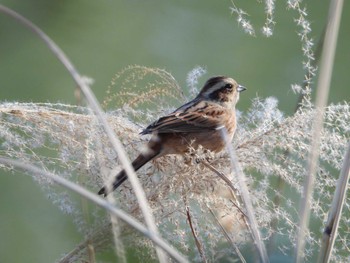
(197, 122)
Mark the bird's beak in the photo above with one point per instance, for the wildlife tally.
(241, 88)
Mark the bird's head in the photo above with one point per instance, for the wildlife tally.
(222, 90)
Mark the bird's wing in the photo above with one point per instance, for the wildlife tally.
(190, 119)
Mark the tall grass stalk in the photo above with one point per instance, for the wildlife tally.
(325, 74)
(96, 108)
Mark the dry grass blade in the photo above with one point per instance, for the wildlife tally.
(198, 243)
(227, 236)
(227, 181)
(100, 202)
(94, 237)
(326, 68)
(246, 199)
(330, 232)
(118, 244)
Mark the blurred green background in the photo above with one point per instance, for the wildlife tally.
(101, 38)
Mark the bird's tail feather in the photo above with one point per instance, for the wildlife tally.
(140, 161)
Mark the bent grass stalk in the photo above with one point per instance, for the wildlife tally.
(100, 202)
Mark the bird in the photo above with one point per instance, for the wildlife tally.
(198, 122)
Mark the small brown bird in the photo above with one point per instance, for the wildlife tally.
(197, 122)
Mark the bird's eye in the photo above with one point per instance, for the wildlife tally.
(228, 86)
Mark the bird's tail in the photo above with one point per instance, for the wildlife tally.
(140, 161)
